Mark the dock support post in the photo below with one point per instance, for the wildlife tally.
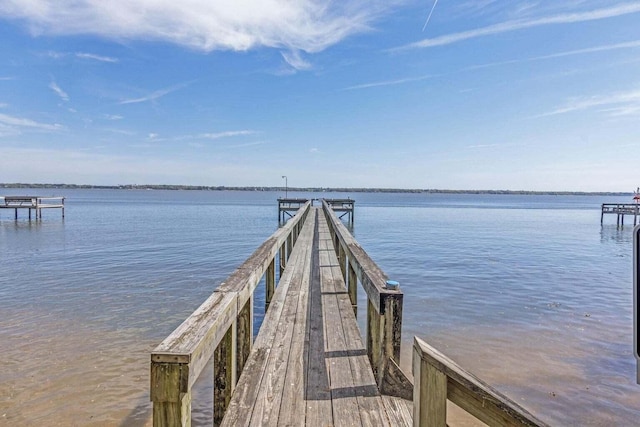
(270, 282)
(170, 394)
(429, 394)
(384, 334)
(289, 245)
(224, 373)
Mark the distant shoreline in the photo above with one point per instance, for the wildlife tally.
(310, 189)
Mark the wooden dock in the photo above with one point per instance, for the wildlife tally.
(309, 365)
(35, 203)
(620, 210)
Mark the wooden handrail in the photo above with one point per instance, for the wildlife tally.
(438, 378)
(384, 308)
(222, 327)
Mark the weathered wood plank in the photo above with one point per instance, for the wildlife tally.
(399, 411)
(317, 387)
(292, 406)
(343, 396)
(267, 408)
(368, 397)
(245, 397)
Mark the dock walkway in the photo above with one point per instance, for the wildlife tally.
(309, 366)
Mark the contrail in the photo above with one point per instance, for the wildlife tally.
(430, 13)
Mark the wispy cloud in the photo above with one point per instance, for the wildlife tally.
(61, 93)
(295, 60)
(514, 25)
(113, 117)
(613, 105)
(306, 25)
(100, 58)
(154, 95)
(27, 123)
(5, 78)
(626, 45)
(247, 144)
(81, 55)
(388, 82)
(226, 134)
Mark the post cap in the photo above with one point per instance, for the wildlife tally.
(392, 285)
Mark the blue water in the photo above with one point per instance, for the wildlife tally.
(530, 293)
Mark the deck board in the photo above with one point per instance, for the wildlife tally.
(308, 366)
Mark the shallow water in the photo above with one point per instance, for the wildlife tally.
(529, 293)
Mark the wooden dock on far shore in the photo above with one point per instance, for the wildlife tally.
(620, 209)
(309, 366)
(35, 203)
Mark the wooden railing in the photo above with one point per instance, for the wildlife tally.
(384, 308)
(438, 378)
(222, 328)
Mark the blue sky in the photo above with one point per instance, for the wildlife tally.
(489, 94)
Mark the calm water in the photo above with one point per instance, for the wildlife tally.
(529, 293)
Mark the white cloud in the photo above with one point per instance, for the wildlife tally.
(6, 78)
(94, 57)
(306, 25)
(514, 25)
(62, 94)
(26, 123)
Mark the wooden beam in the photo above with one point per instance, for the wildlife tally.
(467, 391)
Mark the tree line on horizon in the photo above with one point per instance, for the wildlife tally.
(301, 189)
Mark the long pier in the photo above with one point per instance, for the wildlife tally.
(308, 365)
(35, 203)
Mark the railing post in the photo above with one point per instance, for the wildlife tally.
(270, 281)
(353, 288)
(429, 393)
(170, 395)
(283, 258)
(375, 324)
(342, 260)
(224, 374)
(244, 335)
